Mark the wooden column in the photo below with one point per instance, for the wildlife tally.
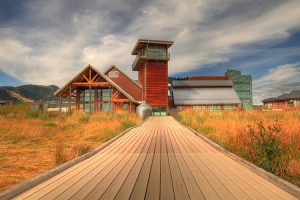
(130, 107)
(60, 102)
(90, 103)
(110, 95)
(77, 99)
(70, 91)
(96, 99)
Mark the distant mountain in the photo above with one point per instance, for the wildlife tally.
(28, 93)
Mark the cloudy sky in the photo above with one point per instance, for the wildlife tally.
(46, 42)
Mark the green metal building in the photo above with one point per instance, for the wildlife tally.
(242, 85)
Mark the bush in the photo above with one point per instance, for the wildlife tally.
(265, 148)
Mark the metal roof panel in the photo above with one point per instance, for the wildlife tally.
(205, 96)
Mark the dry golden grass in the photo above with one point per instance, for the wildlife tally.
(32, 142)
(231, 130)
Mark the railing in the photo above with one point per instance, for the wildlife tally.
(149, 56)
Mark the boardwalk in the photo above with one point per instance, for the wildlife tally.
(158, 160)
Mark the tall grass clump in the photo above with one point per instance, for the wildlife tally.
(60, 154)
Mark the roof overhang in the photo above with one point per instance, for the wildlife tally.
(142, 43)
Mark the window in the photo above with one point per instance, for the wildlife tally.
(112, 74)
(106, 94)
(125, 106)
(89, 95)
(156, 52)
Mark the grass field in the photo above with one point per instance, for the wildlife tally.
(270, 140)
(33, 141)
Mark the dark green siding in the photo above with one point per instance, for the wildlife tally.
(243, 87)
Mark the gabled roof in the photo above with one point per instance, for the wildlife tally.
(65, 87)
(201, 83)
(113, 66)
(126, 83)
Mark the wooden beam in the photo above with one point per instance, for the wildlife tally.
(90, 74)
(114, 96)
(95, 77)
(85, 78)
(120, 100)
(90, 103)
(60, 102)
(70, 92)
(90, 84)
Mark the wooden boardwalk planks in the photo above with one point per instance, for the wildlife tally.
(158, 160)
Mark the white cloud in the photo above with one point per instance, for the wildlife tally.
(282, 79)
(57, 38)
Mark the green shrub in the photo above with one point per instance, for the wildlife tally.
(126, 125)
(84, 119)
(265, 148)
(50, 124)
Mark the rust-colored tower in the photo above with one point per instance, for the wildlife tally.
(151, 62)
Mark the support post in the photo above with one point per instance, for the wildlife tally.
(130, 106)
(60, 102)
(90, 90)
(110, 95)
(70, 91)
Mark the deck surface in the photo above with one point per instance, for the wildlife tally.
(158, 160)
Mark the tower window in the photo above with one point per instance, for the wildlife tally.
(113, 74)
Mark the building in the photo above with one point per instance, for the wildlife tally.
(205, 93)
(5, 102)
(242, 84)
(93, 91)
(284, 101)
(151, 62)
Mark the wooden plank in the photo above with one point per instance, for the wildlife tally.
(206, 188)
(125, 165)
(140, 187)
(190, 182)
(153, 188)
(128, 185)
(166, 191)
(180, 191)
(221, 189)
(230, 186)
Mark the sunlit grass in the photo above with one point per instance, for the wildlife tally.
(269, 139)
(34, 141)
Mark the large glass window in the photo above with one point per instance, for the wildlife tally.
(106, 94)
(156, 52)
(88, 98)
(89, 95)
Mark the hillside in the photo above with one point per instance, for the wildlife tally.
(28, 93)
